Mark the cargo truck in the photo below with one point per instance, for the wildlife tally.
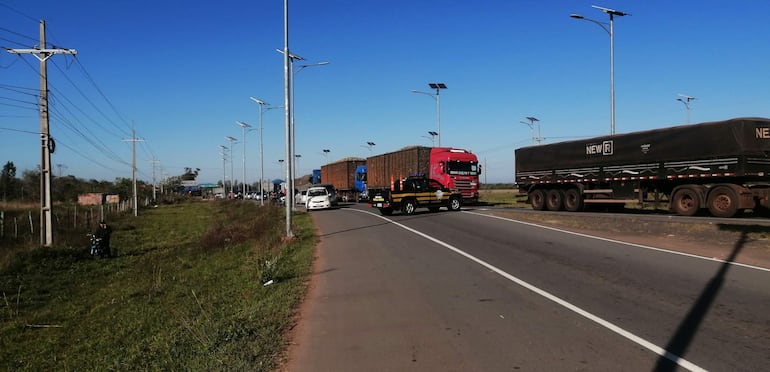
(454, 168)
(348, 176)
(721, 166)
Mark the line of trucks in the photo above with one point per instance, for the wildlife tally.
(412, 177)
(722, 167)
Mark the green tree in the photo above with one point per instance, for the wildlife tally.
(8, 181)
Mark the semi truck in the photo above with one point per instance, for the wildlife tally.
(348, 176)
(721, 166)
(454, 168)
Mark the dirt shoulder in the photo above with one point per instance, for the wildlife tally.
(713, 240)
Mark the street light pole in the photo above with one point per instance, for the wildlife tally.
(611, 31)
(369, 145)
(531, 124)
(243, 181)
(437, 98)
(262, 110)
(686, 100)
(224, 169)
(232, 140)
(433, 138)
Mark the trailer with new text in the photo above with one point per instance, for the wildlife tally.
(721, 166)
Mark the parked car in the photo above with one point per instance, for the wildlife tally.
(318, 197)
(331, 191)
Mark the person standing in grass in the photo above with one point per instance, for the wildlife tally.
(104, 232)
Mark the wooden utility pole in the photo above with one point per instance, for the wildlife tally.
(47, 143)
(133, 141)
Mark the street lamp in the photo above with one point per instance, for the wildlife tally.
(369, 145)
(437, 98)
(233, 141)
(611, 31)
(432, 138)
(224, 168)
(262, 110)
(243, 181)
(686, 100)
(290, 58)
(326, 154)
(531, 124)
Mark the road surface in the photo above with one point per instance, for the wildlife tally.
(466, 291)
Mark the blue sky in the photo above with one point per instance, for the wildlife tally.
(181, 73)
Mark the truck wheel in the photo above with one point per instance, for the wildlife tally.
(408, 207)
(537, 199)
(573, 201)
(455, 204)
(554, 200)
(386, 211)
(723, 202)
(685, 202)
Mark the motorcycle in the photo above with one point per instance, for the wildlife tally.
(96, 248)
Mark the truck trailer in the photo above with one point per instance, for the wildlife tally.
(722, 166)
(348, 176)
(454, 168)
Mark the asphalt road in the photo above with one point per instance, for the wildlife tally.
(464, 291)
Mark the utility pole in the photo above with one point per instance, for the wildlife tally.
(47, 142)
(133, 141)
(154, 161)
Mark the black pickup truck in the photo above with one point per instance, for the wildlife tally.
(412, 193)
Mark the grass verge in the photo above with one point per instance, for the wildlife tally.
(185, 292)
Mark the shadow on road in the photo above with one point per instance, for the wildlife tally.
(688, 328)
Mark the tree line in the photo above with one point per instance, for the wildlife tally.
(26, 188)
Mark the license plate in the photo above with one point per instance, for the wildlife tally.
(379, 205)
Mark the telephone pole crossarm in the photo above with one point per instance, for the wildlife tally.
(45, 53)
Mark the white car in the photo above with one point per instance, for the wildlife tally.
(318, 198)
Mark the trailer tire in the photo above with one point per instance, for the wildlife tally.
(723, 202)
(455, 204)
(537, 199)
(386, 211)
(408, 207)
(573, 200)
(554, 200)
(685, 202)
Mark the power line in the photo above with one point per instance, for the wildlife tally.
(89, 100)
(18, 12)
(88, 76)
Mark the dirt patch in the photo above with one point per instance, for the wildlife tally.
(713, 240)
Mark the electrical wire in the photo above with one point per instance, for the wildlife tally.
(89, 100)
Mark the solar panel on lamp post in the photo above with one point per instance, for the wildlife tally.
(243, 181)
(233, 141)
(436, 97)
(611, 31)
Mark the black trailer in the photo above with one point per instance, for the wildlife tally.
(723, 166)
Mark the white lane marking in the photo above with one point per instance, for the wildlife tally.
(624, 243)
(606, 324)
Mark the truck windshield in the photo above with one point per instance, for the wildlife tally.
(462, 168)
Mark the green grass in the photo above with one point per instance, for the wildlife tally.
(185, 292)
(503, 198)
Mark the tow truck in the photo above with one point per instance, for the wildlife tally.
(415, 192)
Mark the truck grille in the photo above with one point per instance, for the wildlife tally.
(465, 188)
